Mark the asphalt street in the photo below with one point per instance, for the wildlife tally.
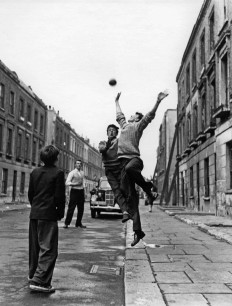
(89, 269)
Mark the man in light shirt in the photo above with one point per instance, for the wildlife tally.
(75, 180)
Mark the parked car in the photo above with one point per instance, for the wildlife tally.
(102, 199)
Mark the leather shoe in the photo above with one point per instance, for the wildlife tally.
(65, 226)
(137, 237)
(81, 226)
(125, 217)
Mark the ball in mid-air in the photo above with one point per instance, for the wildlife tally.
(112, 82)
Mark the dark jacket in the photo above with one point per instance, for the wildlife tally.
(46, 193)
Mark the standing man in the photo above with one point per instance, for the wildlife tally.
(129, 154)
(46, 195)
(75, 180)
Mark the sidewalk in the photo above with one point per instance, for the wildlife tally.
(13, 206)
(192, 265)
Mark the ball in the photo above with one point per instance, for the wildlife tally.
(112, 82)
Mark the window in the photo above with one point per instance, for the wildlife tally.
(191, 182)
(188, 80)
(61, 137)
(27, 147)
(2, 95)
(180, 140)
(22, 183)
(183, 136)
(1, 137)
(182, 92)
(202, 48)
(9, 141)
(34, 147)
(4, 181)
(211, 32)
(12, 103)
(41, 124)
(21, 108)
(57, 135)
(224, 80)
(230, 164)
(194, 69)
(36, 120)
(203, 111)
(189, 132)
(19, 145)
(29, 112)
(212, 93)
(206, 176)
(195, 121)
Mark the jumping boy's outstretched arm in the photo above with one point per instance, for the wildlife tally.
(119, 114)
(118, 108)
(161, 96)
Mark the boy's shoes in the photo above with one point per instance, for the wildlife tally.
(29, 279)
(41, 288)
(80, 225)
(65, 226)
(137, 236)
(125, 217)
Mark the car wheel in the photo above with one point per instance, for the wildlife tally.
(93, 213)
(98, 214)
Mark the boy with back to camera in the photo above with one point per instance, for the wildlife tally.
(46, 195)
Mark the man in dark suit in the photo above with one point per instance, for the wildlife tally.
(46, 195)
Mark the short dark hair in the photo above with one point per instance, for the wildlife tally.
(49, 154)
(140, 115)
(112, 126)
(78, 160)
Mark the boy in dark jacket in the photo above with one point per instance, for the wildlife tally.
(46, 195)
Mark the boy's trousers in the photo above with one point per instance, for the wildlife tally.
(43, 250)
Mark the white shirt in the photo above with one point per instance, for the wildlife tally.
(75, 176)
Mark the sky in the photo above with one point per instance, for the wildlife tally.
(68, 50)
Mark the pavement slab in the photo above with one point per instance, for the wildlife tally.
(171, 267)
(212, 266)
(170, 250)
(186, 299)
(194, 288)
(172, 277)
(136, 254)
(219, 299)
(187, 258)
(138, 271)
(210, 276)
(219, 258)
(159, 258)
(141, 294)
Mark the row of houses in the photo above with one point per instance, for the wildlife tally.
(201, 161)
(26, 125)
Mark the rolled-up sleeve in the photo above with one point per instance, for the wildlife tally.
(143, 123)
(69, 179)
(121, 120)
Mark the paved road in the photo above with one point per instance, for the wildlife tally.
(89, 269)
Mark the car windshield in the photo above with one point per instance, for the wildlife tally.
(105, 185)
